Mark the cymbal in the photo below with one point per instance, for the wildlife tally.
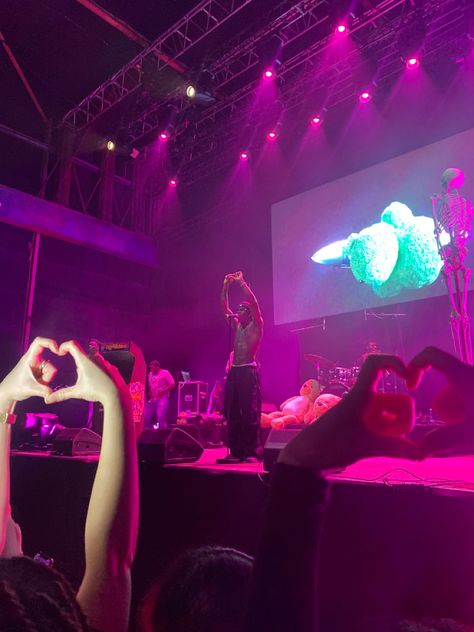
(323, 363)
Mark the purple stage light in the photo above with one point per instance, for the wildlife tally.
(173, 182)
(272, 135)
(268, 74)
(365, 97)
(244, 156)
(316, 121)
(340, 29)
(412, 63)
(164, 135)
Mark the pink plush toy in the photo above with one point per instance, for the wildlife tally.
(322, 404)
(294, 409)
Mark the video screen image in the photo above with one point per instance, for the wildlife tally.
(366, 240)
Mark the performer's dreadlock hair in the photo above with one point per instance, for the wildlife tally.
(36, 598)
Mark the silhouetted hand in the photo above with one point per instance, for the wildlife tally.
(454, 404)
(342, 436)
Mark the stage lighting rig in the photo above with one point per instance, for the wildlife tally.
(270, 54)
(201, 91)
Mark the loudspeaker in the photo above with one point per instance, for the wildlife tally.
(277, 440)
(77, 442)
(168, 445)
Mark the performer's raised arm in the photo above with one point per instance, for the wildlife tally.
(251, 298)
(225, 299)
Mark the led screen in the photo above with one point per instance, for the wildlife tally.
(303, 224)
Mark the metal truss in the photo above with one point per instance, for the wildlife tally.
(290, 25)
(207, 16)
(217, 136)
(240, 55)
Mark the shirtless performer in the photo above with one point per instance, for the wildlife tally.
(242, 397)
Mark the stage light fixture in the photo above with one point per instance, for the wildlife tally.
(365, 96)
(173, 182)
(110, 145)
(316, 121)
(341, 29)
(412, 63)
(270, 54)
(272, 135)
(244, 156)
(164, 136)
(190, 91)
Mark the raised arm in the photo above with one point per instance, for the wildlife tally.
(30, 377)
(251, 298)
(112, 516)
(228, 279)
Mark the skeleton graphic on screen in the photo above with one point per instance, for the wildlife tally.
(452, 214)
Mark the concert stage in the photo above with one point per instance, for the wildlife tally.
(397, 533)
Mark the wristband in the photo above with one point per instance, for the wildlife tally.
(7, 418)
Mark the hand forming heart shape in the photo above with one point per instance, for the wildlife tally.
(97, 380)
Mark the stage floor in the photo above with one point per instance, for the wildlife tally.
(455, 474)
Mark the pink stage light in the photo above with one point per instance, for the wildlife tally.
(272, 135)
(173, 182)
(268, 74)
(340, 29)
(316, 121)
(365, 97)
(164, 135)
(244, 156)
(412, 63)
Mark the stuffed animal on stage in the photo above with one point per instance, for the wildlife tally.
(294, 409)
(322, 404)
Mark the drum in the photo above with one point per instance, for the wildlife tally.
(355, 370)
(335, 388)
(340, 374)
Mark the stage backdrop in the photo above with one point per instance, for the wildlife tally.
(306, 222)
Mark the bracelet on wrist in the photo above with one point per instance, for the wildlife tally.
(7, 418)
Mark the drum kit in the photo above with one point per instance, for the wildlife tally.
(338, 380)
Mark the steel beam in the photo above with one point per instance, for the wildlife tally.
(206, 17)
(33, 214)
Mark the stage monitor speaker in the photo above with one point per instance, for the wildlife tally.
(168, 445)
(77, 442)
(277, 440)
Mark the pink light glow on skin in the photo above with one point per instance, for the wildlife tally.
(173, 182)
(268, 74)
(272, 135)
(412, 63)
(365, 96)
(315, 121)
(244, 156)
(341, 29)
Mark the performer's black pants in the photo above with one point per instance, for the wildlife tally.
(242, 409)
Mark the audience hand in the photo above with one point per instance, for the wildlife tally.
(340, 437)
(454, 404)
(32, 374)
(97, 379)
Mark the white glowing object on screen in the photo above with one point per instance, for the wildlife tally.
(332, 254)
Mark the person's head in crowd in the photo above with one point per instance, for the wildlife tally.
(155, 366)
(34, 596)
(204, 590)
